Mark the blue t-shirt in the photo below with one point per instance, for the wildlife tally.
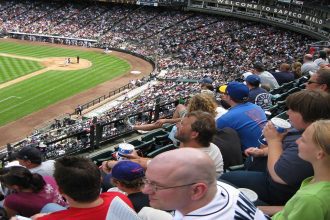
(248, 120)
(289, 161)
(290, 168)
(254, 92)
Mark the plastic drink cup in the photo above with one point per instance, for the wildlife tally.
(281, 126)
(123, 150)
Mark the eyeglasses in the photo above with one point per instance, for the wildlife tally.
(311, 81)
(156, 187)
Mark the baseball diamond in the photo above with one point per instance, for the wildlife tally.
(34, 76)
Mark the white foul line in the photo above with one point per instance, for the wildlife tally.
(10, 97)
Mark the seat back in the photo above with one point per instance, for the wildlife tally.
(161, 150)
(145, 147)
(151, 135)
(283, 115)
(229, 144)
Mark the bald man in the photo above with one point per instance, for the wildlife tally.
(309, 65)
(184, 180)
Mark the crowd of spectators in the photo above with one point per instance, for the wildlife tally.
(79, 19)
(166, 91)
(53, 139)
(101, 24)
(184, 45)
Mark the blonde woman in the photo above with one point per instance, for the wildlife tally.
(296, 69)
(312, 200)
(200, 102)
(203, 102)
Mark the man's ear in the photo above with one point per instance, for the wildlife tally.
(324, 87)
(198, 191)
(119, 184)
(26, 163)
(115, 182)
(194, 134)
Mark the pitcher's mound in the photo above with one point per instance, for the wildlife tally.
(61, 63)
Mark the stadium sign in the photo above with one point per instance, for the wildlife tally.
(147, 2)
(297, 2)
(274, 10)
(285, 1)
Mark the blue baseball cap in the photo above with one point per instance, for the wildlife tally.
(127, 170)
(238, 91)
(253, 79)
(206, 80)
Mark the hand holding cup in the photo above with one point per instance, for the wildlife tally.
(276, 129)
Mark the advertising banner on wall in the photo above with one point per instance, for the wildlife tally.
(275, 10)
(285, 1)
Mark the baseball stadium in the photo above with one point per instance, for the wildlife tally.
(126, 81)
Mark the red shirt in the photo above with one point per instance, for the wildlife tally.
(95, 213)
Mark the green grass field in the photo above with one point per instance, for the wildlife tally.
(23, 98)
(11, 68)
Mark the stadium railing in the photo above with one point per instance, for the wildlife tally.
(101, 133)
(104, 97)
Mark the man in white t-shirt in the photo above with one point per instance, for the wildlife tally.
(309, 65)
(31, 158)
(266, 78)
(184, 180)
(196, 130)
(323, 59)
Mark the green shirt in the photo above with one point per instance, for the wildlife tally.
(311, 202)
